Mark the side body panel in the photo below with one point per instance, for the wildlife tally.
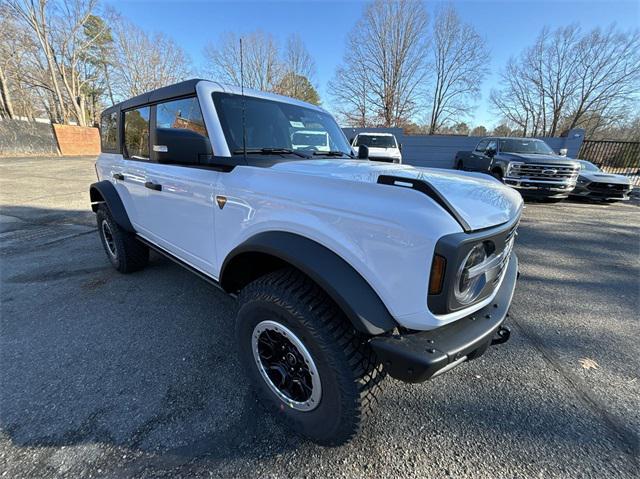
(391, 249)
(180, 217)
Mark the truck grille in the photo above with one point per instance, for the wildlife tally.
(535, 171)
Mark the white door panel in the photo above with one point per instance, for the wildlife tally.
(180, 216)
(132, 190)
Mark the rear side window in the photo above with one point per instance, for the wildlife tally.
(181, 114)
(109, 132)
(136, 133)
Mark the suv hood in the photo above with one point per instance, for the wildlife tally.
(546, 159)
(479, 199)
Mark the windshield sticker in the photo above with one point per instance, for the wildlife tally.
(297, 124)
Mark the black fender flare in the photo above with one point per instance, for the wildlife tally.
(350, 291)
(104, 191)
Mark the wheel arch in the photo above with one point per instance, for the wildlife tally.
(269, 251)
(104, 192)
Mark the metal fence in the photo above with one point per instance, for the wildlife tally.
(620, 157)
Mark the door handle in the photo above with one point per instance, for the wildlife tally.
(118, 176)
(153, 186)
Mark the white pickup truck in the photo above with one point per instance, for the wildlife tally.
(382, 146)
(345, 270)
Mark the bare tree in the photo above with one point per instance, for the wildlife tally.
(479, 130)
(58, 28)
(262, 66)
(609, 75)
(350, 90)
(568, 79)
(459, 60)
(298, 71)
(386, 53)
(143, 62)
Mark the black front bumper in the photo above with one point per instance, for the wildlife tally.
(416, 357)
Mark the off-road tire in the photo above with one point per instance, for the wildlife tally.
(128, 253)
(350, 374)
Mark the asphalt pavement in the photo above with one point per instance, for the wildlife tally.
(110, 375)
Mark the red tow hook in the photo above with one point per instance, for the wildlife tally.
(502, 336)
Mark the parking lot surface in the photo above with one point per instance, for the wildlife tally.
(110, 375)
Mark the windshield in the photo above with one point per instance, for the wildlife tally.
(376, 141)
(271, 124)
(536, 147)
(588, 166)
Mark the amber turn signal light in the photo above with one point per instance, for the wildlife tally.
(437, 274)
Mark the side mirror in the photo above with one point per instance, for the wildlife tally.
(181, 146)
(490, 152)
(563, 152)
(400, 146)
(363, 152)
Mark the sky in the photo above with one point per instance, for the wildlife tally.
(507, 26)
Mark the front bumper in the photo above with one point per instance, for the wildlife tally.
(534, 188)
(416, 357)
(597, 192)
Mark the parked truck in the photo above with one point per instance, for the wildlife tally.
(526, 164)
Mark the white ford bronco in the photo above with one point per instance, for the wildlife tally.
(346, 270)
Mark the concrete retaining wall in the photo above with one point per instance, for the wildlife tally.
(439, 151)
(77, 140)
(27, 138)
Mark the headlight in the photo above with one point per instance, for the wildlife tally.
(468, 284)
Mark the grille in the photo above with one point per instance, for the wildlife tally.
(506, 254)
(534, 171)
(607, 188)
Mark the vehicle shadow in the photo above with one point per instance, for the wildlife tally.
(143, 362)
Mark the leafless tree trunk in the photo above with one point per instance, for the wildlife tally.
(35, 14)
(460, 59)
(385, 51)
(6, 105)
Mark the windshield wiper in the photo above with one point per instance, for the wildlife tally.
(332, 153)
(270, 151)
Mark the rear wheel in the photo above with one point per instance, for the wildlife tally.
(124, 251)
(308, 365)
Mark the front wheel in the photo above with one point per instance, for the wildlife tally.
(307, 363)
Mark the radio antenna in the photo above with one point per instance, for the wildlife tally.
(244, 126)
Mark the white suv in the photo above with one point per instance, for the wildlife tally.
(382, 146)
(345, 270)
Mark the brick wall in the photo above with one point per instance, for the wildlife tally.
(77, 140)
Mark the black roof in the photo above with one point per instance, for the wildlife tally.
(187, 87)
